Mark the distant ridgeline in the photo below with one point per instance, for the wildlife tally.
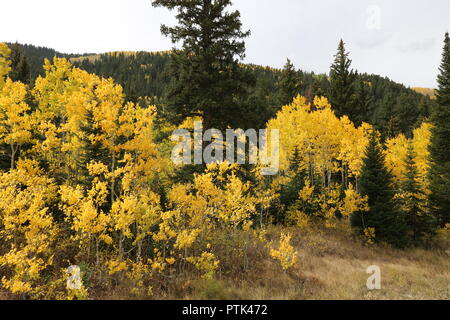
(389, 106)
(36, 56)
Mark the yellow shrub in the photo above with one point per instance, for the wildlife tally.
(206, 263)
(286, 253)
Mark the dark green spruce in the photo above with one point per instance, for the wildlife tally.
(384, 214)
(439, 199)
(289, 84)
(207, 78)
(20, 68)
(342, 84)
(421, 224)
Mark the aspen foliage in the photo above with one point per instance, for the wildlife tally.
(369, 234)
(285, 253)
(28, 230)
(217, 199)
(397, 149)
(206, 263)
(16, 123)
(321, 154)
(328, 144)
(85, 213)
(353, 202)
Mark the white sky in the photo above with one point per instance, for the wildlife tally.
(404, 43)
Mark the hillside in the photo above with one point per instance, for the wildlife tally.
(391, 107)
(426, 92)
(36, 56)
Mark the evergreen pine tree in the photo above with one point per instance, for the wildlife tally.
(383, 215)
(207, 78)
(316, 88)
(289, 84)
(342, 81)
(20, 68)
(387, 118)
(363, 103)
(289, 192)
(421, 224)
(439, 199)
(406, 112)
(91, 150)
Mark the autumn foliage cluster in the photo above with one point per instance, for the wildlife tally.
(87, 184)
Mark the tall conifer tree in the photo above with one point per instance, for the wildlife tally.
(440, 143)
(289, 84)
(207, 78)
(342, 80)
(20, 68)
(383, 215)
(421, 224)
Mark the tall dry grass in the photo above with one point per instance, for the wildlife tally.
(332, 264)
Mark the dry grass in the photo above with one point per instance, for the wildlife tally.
(332, 265)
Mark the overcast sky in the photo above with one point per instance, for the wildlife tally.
(401, 39)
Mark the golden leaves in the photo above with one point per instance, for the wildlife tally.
(27, 227)
(207, 263)
(15, 121)
(397, 149)
(353, 202)
(285, 254)
(319, 136)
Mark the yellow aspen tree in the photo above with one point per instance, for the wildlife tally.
(123, 127)
(27, 228)
(292, 119)
(267, 195)
(15, 121)
(285, 253)
(324, 141)
(84, 211)
(207, 263)
(63, 96)
(71, 100)
(324, 133)
(139, 122)
(135, 207)
(217, 199)
(353, 202)
(352, 147)
(106, 117)
(136, 211)
(421, 142)
(396, 150)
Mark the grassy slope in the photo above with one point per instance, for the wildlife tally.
(332, 265)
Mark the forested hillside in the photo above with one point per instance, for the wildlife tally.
(389, 106)
(36, 55)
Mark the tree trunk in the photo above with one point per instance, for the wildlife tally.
(13, 156)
